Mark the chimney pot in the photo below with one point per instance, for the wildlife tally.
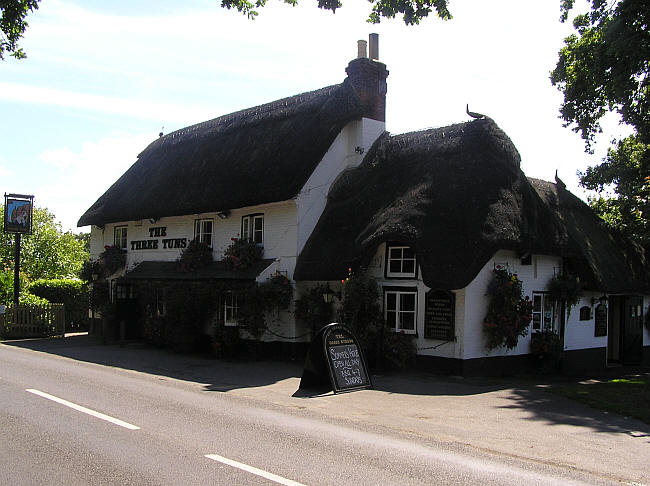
(361, 49)
(374, 47)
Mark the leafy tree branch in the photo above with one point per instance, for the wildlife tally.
(13, 25)
(605, 68)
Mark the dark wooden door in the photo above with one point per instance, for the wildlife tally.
(632, 330)
(128, 311)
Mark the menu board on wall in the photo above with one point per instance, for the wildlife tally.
(601, 321)
(439, 319)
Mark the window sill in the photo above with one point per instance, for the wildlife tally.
(403, 331)
(401, 275)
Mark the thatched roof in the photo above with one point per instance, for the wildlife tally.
(604, 261)
(259, 155)
(457, 195)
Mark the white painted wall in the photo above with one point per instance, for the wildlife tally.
(341, 155)
(279, 235)
(580, 334)
(425, 347)
(534, 278)
(472, 304)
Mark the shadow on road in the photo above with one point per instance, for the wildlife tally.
(475, 394)
(214, 374)
(552, 409)
(224, 375)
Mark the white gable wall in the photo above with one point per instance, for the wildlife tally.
(535, 278)
(341, 155)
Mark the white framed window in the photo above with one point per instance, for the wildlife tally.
(203, 231)
(400, 309)
(230, 308)
(400, 261)
(252, 228)
(120, 236)
(122, 291)
(543, 313)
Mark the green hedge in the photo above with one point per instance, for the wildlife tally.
(74, 294)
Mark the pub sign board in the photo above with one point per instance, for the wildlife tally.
(345, 360)
(335, 360)
(18, 213)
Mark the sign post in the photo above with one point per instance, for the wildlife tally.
(19, 210)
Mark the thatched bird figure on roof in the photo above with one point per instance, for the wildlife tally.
(560, 183)
(478, 116)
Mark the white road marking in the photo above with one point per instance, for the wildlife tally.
(254, 470)
(88, 411)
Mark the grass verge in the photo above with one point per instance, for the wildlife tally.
(629, 396)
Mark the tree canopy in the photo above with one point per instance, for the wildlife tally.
(605, 68)
(47, 253)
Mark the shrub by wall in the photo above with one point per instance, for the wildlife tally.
(74, 294)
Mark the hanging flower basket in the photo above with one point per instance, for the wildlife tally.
(242, 254)
(565, 288)
(196, 255)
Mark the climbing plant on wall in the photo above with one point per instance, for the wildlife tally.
(509, 313)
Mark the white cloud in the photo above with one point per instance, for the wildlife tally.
(86, 172)
(4, 172)
(135, 108)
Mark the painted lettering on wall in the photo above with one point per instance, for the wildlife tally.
(157, 232)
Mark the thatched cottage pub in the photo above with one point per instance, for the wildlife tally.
(316, 184)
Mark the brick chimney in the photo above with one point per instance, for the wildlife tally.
(368, 77)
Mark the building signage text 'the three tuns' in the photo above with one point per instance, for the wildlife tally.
(158, 232)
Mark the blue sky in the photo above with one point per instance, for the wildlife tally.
(102, 79)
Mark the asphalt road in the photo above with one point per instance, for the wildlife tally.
(64, 421)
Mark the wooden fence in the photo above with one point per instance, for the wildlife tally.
(33, 321)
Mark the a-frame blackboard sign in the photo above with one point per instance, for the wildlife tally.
(336, 354)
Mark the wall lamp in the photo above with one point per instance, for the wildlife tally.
(154, 220)
(224, 214)
(329, 295)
